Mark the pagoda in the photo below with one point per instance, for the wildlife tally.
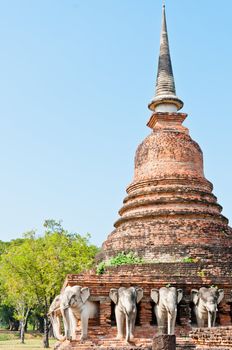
(170, 212)
(171, 219)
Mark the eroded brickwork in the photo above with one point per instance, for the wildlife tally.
(170, 211)
(148, 276)
(164, 342)
(214, 338)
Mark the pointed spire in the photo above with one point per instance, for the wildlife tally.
(165, 99)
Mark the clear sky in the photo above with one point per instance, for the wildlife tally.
(75, 80)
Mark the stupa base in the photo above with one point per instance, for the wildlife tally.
(102, 330)
(164, 342)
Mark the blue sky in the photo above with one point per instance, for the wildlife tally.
(75, 80)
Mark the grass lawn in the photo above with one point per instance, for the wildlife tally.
(10, 341)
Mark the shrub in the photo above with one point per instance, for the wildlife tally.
(118, 260)
(201, 273)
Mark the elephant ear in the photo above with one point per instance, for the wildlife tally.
(195, 296)
(85, 294)
(221, 295)
(179, 295)
(55, 304)
(114, 295)
(65, 298)
(139, 294)
(155, 295)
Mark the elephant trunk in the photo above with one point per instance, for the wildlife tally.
(211, 318)
(130, 324)
(172, 310)
(171, 320)
(55, 321)
(212, 312)
(129, 328)
(211, 308)
(67, 326)
(129, 309)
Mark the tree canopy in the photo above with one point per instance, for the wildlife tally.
(33, 269)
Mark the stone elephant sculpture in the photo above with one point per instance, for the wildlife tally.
(166, 300)
(126, 300)
(205, 302)
(55, 317)
(73, 305)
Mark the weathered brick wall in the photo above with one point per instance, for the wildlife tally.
(102, 330)
(148, 276)
(197, 273)
(167, 236)
(214, 338)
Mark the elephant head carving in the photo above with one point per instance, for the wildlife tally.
(126, 300)
(166, 300)
(206, 302)
(75, 296)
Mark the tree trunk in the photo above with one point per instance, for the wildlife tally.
(22, 332)
(26, 323)
(23, 324)
(46, 332)
(40, 324)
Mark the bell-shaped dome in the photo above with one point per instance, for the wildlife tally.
(168, 154)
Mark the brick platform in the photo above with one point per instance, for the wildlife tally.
(212, 339)
(113, 344)
(148, 276)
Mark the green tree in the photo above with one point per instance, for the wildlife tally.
(37, 267)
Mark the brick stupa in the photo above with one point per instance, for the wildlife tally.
(170, 218)
(170, 212)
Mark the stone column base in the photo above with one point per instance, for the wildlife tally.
(164, 342)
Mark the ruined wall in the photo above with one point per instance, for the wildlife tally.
(182, 275)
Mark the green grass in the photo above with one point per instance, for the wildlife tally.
(10, 341)
(6, 336)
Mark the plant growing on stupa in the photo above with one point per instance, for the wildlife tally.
(213, 286)
(201, 273)
(188, 259)
(121, 258)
